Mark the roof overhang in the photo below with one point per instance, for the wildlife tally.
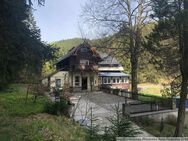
(113, 74)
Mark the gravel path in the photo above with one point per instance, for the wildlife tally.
(102, 107)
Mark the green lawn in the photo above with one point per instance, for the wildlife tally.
(150, 89)
(28, 122)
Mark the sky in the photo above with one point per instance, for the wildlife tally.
(59, 19)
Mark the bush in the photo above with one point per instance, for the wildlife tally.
(116, 91)
(144, 121)
(61, 107)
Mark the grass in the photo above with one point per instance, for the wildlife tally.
(150, 89)
(28, 122)
(12, 102)
(153, 127)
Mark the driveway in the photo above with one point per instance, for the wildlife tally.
(97, 106)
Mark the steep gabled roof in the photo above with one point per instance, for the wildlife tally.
(108, 59)
(73, 51)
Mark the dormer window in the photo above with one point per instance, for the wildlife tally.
(83, 49)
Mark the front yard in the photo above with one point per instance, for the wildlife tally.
(28, 122)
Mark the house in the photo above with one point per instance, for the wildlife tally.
(83, 68)
(111, 73)
(78, 69)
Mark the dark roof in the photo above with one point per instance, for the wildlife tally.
(73, 51)
(108, 59)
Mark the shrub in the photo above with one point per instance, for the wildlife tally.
(55, 108)
(146, 121)
(116, 91)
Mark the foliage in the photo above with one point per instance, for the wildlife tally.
(150, 89)
(22, 52)
(40, 127)
(63, 46)
(125, 20)
(116, 91)
(28, 122)
(93, 128)
(12, 102)
(55, 108)
(170, 34)
(120, 126)
(153, 127)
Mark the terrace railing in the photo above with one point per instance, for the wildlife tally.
(144, 103)
(147, 103)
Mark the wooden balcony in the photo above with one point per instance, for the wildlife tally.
(82, 67)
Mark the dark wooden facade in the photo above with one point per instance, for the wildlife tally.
(82, 64)
(72, 61)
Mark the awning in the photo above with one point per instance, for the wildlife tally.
(111, 74)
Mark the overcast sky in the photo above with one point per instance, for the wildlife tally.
(58, 19)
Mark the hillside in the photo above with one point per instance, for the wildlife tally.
(65, 45)
(20, 121)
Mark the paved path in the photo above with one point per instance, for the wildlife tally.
(102, 105)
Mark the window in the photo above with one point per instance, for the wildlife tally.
(84, 62)
(122, 80)
(104, 80)
(77, 81)
(108, 80)
(83, 49)
(117, 80)
(126, 80)
(114, 80)
(58, 83)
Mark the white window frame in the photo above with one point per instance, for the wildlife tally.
(126, 80)
(109, 80)
(105, 78)
(77, 83)
(122, 80)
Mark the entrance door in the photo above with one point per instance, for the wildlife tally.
(84, 83)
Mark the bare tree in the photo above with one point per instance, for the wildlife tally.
(124, 20)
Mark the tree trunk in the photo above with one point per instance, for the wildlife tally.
(181, 110)
(134, 66)
(184, 73)
(135, 52)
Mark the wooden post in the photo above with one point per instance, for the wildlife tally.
(151, 106)
(173, 104)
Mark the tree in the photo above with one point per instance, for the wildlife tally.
(40, 2)
(170, 39)
(124, 19)
(21, 51)
(120, 126)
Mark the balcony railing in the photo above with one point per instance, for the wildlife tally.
(82, 67)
